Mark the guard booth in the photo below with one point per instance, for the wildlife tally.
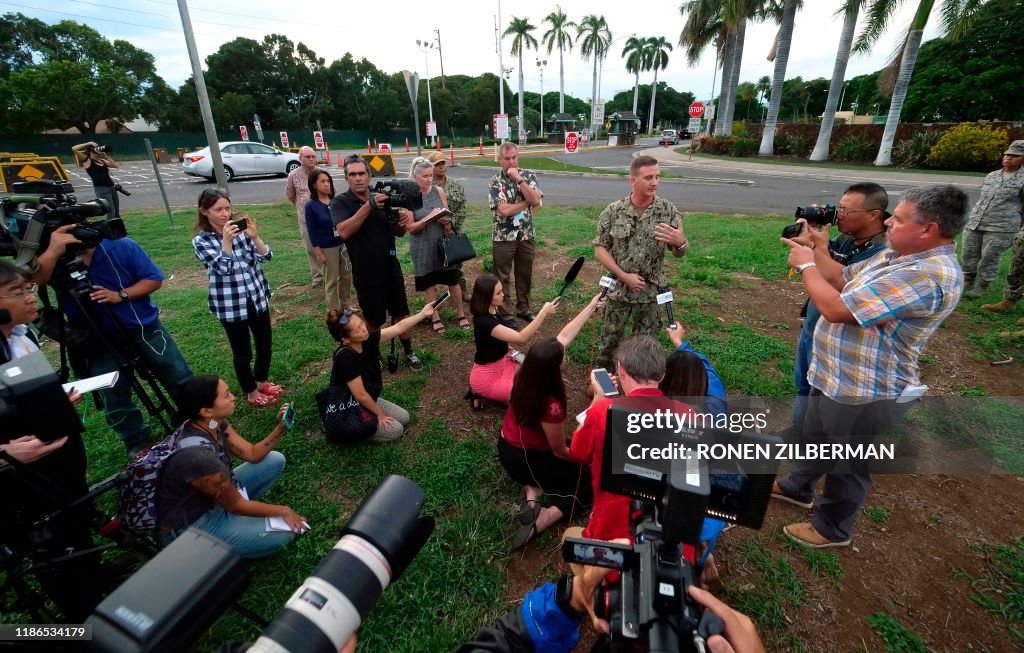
(624, 125)
(557, 124)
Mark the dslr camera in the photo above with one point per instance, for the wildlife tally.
(402, 194)
(99, 149)
(650, 609)
(818, 215)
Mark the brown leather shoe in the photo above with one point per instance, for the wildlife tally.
(804, 534)
(1000, 306)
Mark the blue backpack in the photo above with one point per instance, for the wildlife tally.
(137, 497)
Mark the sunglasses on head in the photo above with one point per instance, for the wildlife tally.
(345, 315)
(215, 192)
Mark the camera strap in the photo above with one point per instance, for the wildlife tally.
(29, 245)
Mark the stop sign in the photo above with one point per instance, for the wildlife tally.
(572, 142)
(318, 140)
(385, 148)
(696, 109)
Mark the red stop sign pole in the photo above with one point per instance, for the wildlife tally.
(572, 142)
(696, 109)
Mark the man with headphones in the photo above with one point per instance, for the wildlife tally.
(122, 277)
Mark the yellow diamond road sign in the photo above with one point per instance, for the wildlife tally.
(377, 163)
(30, 173)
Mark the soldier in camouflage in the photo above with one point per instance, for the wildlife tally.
(1015, 279)
(513, 196)
(456, 204)
(994, 221)
(632, 235)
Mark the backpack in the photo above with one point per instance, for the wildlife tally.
(137, 496)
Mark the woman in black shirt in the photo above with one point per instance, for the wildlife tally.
(97, 165)
(357, 366)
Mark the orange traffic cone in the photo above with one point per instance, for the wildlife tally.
(451, 150)
(481, 146)
(369, 150)
(375, 145)
(328, 156)
(406, 143)
(438, 143)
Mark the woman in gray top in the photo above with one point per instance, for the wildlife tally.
(425, 234)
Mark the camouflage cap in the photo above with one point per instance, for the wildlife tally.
(1016, 148)
(436, 157)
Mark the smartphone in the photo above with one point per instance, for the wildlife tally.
(441, 299)
(792, 230)
(605, 381)
(242, 224)
(288, 419)
(517, 356)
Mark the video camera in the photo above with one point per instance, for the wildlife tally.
(30, 214)
(32, 401)
(402, 194)
(650, 607)
(819, 215)
(198, 576)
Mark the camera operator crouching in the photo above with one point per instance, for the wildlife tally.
(117, 275)
(97, 164)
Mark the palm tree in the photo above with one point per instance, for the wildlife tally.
(559, 36)
(703, 26)
(520, 29)
(781, 60)
(764, 87)
(660, 48)
(850, 10)
(747, 92)
(957, 16)
(637, 54)
(593, 37)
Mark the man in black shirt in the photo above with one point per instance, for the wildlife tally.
(361, 221)
(97, 165)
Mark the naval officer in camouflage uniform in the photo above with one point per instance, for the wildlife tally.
(1015, 279)
(994, 221)
(456, 195)
(632, 236)
(513, 196)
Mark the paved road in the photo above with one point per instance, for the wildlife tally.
(716, 190)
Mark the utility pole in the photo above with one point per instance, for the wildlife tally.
(204, 98)
(441, 55)
(501, 62)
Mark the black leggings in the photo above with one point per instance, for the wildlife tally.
(238, 337)
(565, 483)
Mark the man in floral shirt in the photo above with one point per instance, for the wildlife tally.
(513, 197)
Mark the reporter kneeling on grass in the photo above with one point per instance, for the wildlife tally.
(532, 446)
(199, 488)
(357, 365)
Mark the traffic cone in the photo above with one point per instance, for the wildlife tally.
(451, 150)
(481, 146)
(666, 142)
(406, 143)
(438, 143)
(375, 145)
(369, 150)
(328, 156)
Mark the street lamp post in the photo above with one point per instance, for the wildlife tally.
(541, 63)
(425, 47)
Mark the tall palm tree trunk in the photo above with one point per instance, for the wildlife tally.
(734, 78)
(899, 94)
(723, 96)
(835, 89)
(781, 60)
(654, 93)
(561, 82)
(521, 93)
(636, 90)
(593, 99)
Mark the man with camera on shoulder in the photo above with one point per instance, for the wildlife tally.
(361, 219)
(121, 278)
(97, 164)
(877, 315)
(860, 217)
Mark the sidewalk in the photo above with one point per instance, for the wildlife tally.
(883, 176)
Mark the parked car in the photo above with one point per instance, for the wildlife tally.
(668, 137)
(241, 158)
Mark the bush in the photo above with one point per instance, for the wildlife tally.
(968, 147)
(854, 148)
(911, 152)
(793, 145)
(713, 145)
(744, 146)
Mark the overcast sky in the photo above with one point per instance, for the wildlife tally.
(386, 34)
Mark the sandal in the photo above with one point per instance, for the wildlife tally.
(464, 322)
(437, 325)
(270, 388)
(528, 511)
(262, 401)
(474, 400)
(526, 532)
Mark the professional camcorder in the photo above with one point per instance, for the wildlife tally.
(32, 401)
(402, 194)
(198, 576)
(30, 214)
(650, 607)
(819, 215)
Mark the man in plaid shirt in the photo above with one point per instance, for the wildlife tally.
(877, 317)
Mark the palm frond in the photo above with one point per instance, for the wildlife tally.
(958, 16)
(879, 15)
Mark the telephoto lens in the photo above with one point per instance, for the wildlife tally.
(384, 535)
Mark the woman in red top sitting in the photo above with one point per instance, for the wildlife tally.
(532, 446)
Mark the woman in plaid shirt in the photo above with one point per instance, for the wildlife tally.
(239, 293)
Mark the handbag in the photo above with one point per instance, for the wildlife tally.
(345, 419)
(456, 249)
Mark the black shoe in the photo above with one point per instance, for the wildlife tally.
(508, 321)
(474, 400)
(527, 317)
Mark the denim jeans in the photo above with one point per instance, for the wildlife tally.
(162, 356)
(804, 346)
(248, 536)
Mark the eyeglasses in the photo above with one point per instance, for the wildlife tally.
(842, 211)
(29, 289)
(345, 315)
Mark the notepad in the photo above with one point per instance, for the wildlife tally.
(100, 382)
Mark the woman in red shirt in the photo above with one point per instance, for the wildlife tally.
(532, 446)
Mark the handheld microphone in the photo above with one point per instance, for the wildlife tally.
(665, 298)
(607, 283)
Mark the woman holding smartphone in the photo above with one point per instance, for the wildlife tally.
(232, 250)
(425, 234)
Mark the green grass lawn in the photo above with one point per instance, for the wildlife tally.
(457, 582)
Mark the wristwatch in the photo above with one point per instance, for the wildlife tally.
(123, 294)
(803, 266)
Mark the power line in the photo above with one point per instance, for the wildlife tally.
(150, 13)
(250, 17)
(108, 20)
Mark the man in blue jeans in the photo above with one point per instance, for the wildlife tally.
(123, 278)
(861, 216)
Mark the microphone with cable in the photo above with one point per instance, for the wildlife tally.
(607, 283)
(665, 298)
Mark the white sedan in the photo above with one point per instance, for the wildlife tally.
(241, 158)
